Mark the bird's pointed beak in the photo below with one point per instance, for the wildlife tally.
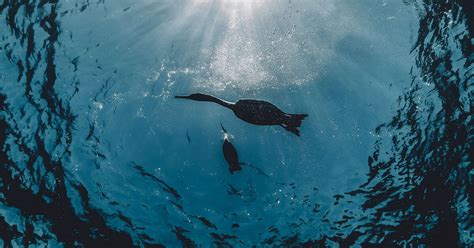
(182, 97)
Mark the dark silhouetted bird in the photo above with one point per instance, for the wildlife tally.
(256, 112)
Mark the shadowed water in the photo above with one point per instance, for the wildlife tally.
(97, 153)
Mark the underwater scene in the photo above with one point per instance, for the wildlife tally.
(236, 123)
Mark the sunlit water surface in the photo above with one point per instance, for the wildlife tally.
(151, 166)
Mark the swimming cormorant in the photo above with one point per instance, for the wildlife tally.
(256, 112)
(230, 154)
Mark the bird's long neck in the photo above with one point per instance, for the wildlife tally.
(220, 101)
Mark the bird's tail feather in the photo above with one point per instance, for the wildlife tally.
(294, 121)
(235, 167)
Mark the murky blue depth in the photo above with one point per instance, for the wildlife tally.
(97, 152)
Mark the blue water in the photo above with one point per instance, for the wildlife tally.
(97, 152)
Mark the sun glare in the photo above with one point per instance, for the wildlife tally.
(249, 44)
(232, 4)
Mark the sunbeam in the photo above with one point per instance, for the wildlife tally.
(349, 123)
